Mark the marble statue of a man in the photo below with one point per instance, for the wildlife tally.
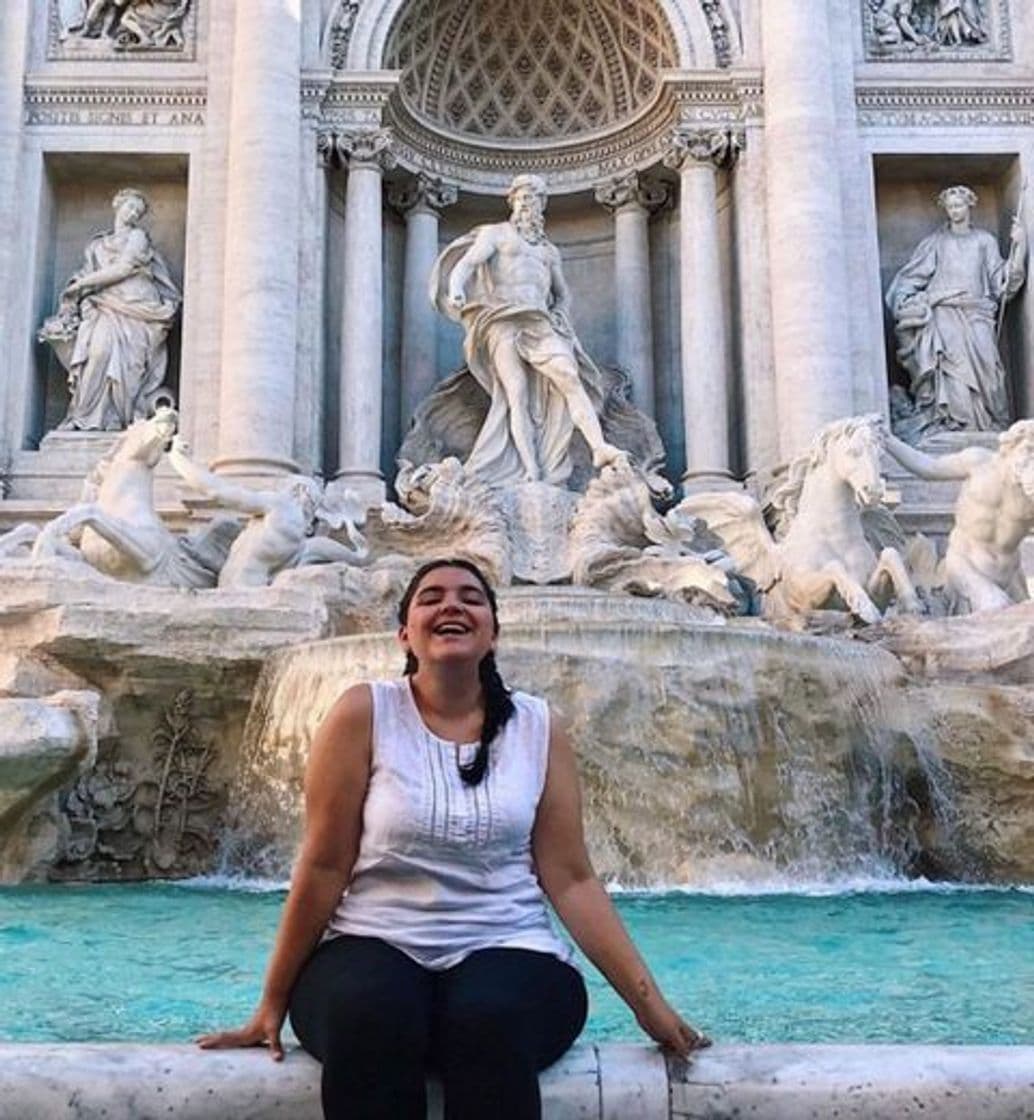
(505, 284)
(994, 512)
(111, 328)
(279, 533)
(945, 302)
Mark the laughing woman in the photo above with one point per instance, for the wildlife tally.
(442, 810)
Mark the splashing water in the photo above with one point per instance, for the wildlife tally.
(709, 753)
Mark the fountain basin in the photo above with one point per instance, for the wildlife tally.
(589, 1083)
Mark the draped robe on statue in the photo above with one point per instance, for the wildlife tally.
(539, 336)
(951, 353)
(118, 357)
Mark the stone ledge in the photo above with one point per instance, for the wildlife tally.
(611, 1082)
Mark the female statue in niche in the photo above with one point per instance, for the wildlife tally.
(946, 303)
(112, 324)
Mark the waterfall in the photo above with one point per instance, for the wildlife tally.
(710, 753)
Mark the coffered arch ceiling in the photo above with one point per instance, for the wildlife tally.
(529, 70)
(577, 90)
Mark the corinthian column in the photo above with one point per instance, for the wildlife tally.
(810, 325)
(697, 155)
(631, 200)
(256, 392)
(365, 152)
(420, 201)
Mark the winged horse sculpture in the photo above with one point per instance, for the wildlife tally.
(819, 557)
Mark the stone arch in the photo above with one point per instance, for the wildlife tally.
(690, 25)
(530, 70)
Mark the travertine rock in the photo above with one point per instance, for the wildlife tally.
(172, 677)
(44, 744)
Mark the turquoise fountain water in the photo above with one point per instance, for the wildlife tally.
(162, 963)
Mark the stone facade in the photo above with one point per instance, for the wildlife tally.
(732, 187)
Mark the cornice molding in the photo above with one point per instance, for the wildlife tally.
(341, 101)
(922, 105)
(79, 103)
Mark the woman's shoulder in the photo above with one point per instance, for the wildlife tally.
(533, 705)
(519, 696)
(355, 701)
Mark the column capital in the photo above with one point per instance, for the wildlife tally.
(423, 194)
(716, 147)
(370, 147)
(632, 189)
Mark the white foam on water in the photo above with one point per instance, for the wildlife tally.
(240, 883)
(730, 888)
(738, 888)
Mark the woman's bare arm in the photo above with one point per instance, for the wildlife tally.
(336, 778)
(578, 897)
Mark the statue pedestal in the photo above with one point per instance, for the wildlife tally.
(78, 451)
(48, 481)
(538, 518)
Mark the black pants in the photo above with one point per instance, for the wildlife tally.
(378, 1021)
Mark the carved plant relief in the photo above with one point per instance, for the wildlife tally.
(126, 817)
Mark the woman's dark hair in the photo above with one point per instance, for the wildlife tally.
(498, 704)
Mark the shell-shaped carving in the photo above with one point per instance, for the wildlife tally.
(529, 69)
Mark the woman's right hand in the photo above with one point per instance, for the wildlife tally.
(262, 1029)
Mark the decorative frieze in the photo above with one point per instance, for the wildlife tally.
(929, 106)
(114, 30)
(115, 106)
(343, 105)
(936, 31)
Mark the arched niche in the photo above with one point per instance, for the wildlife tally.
(690, 23)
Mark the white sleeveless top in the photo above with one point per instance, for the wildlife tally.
(445, 868)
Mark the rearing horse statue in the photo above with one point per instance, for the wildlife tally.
(116, 529)
(819, 557)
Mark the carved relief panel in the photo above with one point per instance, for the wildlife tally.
(937, 30)
(121, 29)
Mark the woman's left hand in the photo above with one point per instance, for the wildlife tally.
(666, 1027)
